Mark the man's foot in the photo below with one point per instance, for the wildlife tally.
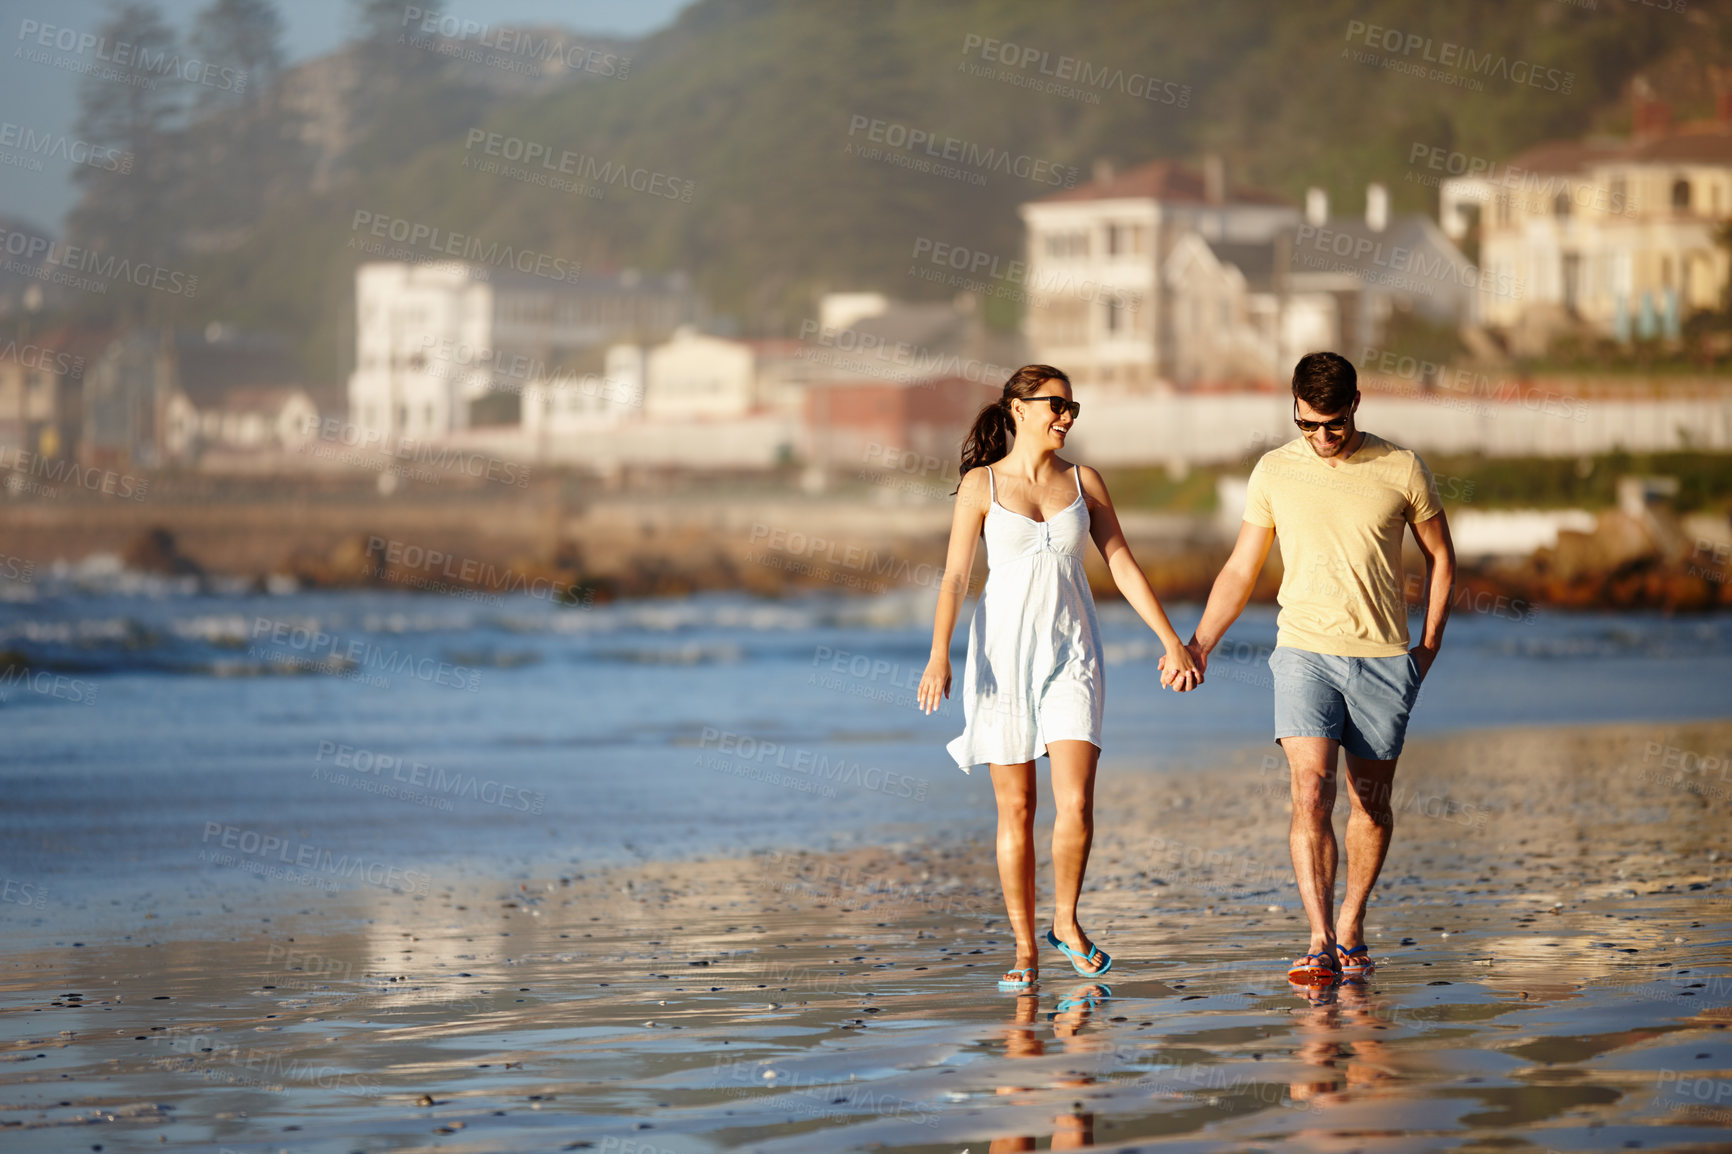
(1316, 967)
(1355, 960)
(1086, 958)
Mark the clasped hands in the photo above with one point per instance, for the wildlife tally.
(1182, 670)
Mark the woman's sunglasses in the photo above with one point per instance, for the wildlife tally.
(1333, 424)
(1060, 406)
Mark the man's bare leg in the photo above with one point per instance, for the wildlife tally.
(1370, 826)
(1311, 836)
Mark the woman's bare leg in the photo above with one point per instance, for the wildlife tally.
(1013, 785)
(1073, 834)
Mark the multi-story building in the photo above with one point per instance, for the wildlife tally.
(433, 339)
(1617, 235)
(1096, 299)
(1250, 311)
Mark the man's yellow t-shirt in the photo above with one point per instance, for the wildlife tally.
(1340, 530)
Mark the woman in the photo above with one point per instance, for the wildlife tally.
(1033, 683)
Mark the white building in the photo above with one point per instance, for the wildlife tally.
(433, 338)
(576, 404)
(1617, 235)
(1098, 304)
(244, 420)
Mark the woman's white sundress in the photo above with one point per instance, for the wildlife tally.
(1034, 646)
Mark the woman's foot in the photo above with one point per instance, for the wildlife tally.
(1085, 958)
(1025, 973)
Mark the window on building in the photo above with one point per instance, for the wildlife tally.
(1665, 272)
(1060, 321)
(1503, 208)
(1115, 315)
(1620, 194)
(1561, 205)
(1681, 193)
(1067, 245)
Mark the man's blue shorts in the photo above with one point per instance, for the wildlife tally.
(1362, 702)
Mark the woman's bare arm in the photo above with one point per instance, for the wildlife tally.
(965, 527)
(1128, 575)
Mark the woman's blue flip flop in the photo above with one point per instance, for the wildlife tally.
(1073, 955)
(1087, 998)
(1024, 984)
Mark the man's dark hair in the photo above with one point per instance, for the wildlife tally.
(1325, 381)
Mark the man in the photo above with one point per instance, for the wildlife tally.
(1339, 498)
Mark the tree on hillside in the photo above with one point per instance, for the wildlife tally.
(245, 35)
(132, 109)
(245, 144)
(405, 96)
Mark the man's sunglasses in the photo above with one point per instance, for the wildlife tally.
(1060, 406)
(1336, 424)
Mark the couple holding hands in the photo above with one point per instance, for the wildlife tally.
(1340, 500)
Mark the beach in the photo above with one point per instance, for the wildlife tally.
(1551, 931)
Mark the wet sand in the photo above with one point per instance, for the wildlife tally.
(1552, 929)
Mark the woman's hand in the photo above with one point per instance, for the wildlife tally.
(934, 684)
(1180, 671)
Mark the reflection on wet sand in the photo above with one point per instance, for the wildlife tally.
(1557, 981)
(1337, 1031)
(1023, 1039)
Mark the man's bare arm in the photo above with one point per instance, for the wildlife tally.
(1439, 550)
(1232, 589)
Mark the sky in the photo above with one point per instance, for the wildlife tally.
(41, 98)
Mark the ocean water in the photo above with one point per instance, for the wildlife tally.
(159, 736)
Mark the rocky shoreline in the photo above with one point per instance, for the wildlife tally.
(610, 550)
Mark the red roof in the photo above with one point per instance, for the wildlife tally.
(1565, 156)
(1165, 180)
(1709, 143)
(1700, 142)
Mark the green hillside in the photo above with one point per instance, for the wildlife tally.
(753, 101)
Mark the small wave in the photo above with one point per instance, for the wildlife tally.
(1704, 639)
(691, 653)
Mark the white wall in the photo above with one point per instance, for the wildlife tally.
(748, 443)
(1237, 426)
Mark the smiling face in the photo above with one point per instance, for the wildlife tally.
(1324, 441)
(1036, 420)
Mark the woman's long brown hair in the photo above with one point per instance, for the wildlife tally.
(989, 439)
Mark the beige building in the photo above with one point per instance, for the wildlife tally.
(696, 375)
(1617, 235)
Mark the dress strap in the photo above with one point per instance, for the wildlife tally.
(1077, 469)
(991, 486)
